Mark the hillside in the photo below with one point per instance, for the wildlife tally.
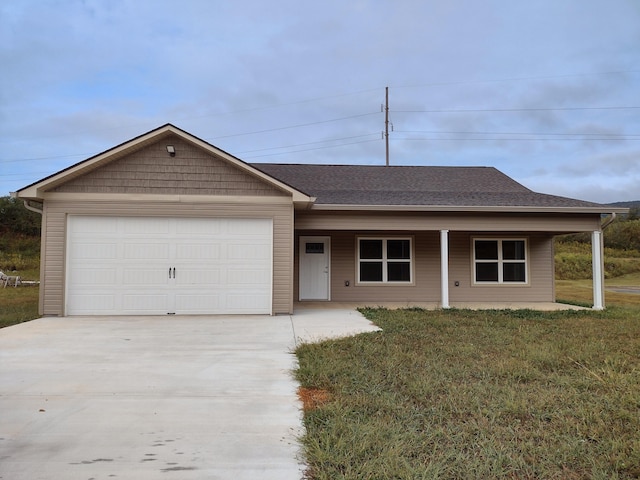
(631, 204)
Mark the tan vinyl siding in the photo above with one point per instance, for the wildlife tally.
(53, 258)
(53, 254)
(481, 222)
(150, 170)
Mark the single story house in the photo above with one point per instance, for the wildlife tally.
(167, 223)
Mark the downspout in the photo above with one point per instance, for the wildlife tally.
(30, 208)
(608, 221)
(26, 203)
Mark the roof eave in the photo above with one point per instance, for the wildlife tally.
(469, 208)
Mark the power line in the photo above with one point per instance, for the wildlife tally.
(311, 149)
(577, 134)
(308, 143)
(510, 139)
(294, 126)
(546, 109)
(47, 158)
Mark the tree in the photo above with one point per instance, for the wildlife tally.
(16, 219)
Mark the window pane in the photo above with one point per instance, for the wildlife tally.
(314, 247)
(513, 249)
(398, 272)
(486, 272)
(513, 272)
(398, 249)
(370, 271)
(486, 250)
(371, 249)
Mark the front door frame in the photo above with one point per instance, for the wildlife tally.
(326, 269)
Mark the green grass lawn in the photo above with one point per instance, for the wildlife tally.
(488, 394)
(18, 305)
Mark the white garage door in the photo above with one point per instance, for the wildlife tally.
(157, 266)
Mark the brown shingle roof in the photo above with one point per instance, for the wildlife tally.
(412, 185)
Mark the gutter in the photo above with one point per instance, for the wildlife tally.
(26, 204)
(463, 208)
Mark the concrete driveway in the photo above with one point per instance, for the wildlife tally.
(156, 397)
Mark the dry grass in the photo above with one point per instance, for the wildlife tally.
(313, 398)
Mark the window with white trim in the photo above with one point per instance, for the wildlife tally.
(502, 261)
(385, 260)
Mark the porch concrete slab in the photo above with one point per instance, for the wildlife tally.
(541, 306)
(148, 398)
(312, 323)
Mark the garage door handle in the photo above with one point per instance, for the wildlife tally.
(174, 272)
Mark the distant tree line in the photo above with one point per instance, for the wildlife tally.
(16, 219)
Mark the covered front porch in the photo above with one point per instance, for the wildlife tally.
(411, 260)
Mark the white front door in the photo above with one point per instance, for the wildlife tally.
(315, 261)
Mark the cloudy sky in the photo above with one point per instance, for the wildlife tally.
(548, 91)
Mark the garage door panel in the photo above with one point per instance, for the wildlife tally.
(199, 276)
(95, 251)
(199, 252)
(199, 226)
(145, 276)
(133, 226)
(85, 277)
(141, 303)
(241, 302)
(202, 303)
(93, 225)
(253, 251)
(146, 251)
(247, 276)
(97, 304)
(149, 265)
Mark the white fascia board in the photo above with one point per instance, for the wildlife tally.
(159, 198)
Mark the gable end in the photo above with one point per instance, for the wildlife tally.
(150, 170)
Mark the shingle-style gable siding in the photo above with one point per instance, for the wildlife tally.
(192, 171)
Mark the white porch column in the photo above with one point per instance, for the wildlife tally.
(444, 267)
(598, 270)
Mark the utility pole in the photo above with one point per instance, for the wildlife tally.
(386, 123)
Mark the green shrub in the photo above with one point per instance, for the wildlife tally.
(623, 235)
(573, 266)
(577, 266)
